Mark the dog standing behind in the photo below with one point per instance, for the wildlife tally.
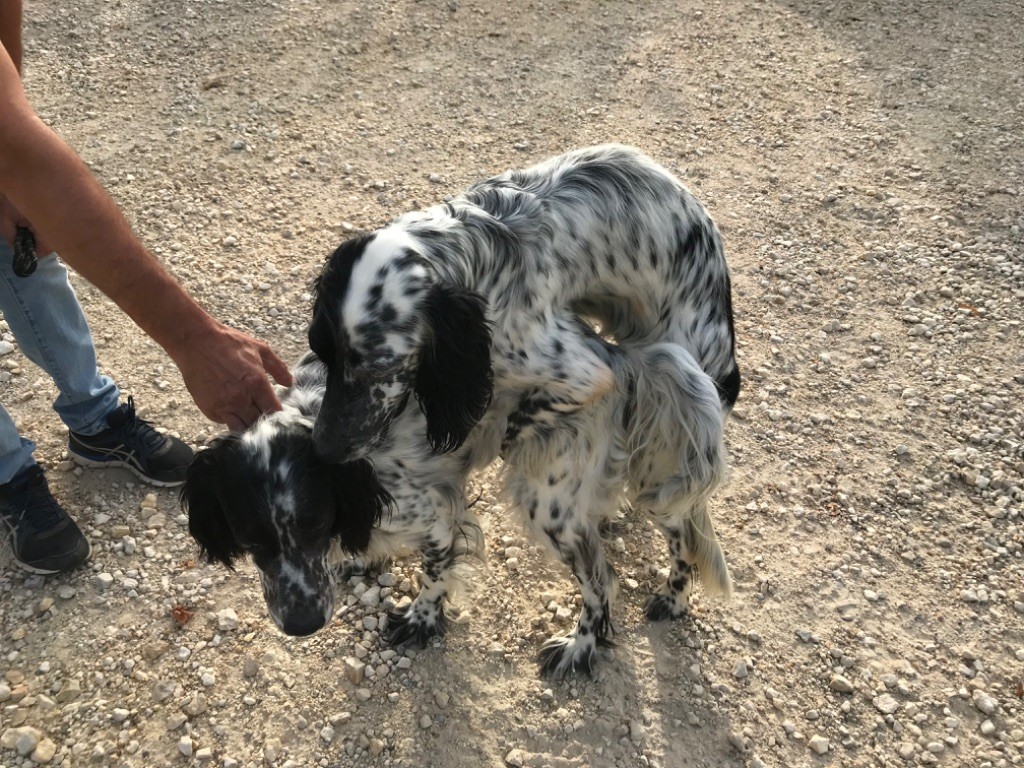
(473, 307)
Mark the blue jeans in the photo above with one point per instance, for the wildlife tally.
(47, 321)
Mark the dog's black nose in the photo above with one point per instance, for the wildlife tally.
(302, 626)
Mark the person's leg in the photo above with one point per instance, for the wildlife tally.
(43, 538)
(15, 451)
(47, 321)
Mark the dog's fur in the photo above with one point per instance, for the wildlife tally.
(657, 441)
(266, 494)
(603, 232)
(409, 311)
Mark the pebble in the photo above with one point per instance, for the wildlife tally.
(44, 752)
(23, 739)
(185, 746)
(840, 684)
(885, 704)
(819, 744)
(227, 620)
(355, 670)
(426, 721)
(985, 703)
(104, 581)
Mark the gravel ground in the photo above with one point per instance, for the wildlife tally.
(865, 163)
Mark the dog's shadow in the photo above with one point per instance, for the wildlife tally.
(650, 693)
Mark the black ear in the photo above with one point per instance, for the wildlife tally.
(360, 502)
(207, 521)
(454, 382)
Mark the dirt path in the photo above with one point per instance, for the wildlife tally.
(865, 163)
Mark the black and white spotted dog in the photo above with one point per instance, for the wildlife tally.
(472, 307)
(265, 493)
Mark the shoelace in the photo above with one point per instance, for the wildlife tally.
(41, 509)
(134, 427)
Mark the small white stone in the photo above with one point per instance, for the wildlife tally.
(104, 581)
(185, 746)
(985, 703)
(227, 619)
(840, 684)
(885, 704)
(819, 744)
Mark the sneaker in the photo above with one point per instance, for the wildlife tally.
(44, 538)
(129, 441)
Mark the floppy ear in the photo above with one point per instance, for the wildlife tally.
(454, 382)
(207, 521)
(360, 502)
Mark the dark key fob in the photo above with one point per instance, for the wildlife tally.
(25, 260)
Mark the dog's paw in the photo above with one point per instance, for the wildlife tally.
(563, 656)
(415, 626)
(662, 607)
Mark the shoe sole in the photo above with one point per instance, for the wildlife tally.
(100, 464)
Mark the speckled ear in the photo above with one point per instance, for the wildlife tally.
(207, 518)
(455, 382)
(360, 502)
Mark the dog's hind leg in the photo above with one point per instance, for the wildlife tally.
(424, 618)
(558, 512)
(692, 547)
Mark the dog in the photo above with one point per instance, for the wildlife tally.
(603, 232)
(266, 493)
(476, 309)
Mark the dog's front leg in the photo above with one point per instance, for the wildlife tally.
(425, 619)
(562, 361)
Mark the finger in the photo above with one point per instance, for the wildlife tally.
(275, 367)
(265, 398)
(234, 423)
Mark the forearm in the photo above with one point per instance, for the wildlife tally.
(85, 226)
(10, 29)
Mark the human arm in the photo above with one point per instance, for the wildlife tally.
(10, 30)
(223, 369)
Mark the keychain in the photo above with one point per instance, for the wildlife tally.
(25, 260)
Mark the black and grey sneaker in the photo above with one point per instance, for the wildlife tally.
(44, 538)
(131, 442)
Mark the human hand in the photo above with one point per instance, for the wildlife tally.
(11, 219)
(225, 371)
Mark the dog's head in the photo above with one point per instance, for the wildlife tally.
(387, 327)
(265, 494)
